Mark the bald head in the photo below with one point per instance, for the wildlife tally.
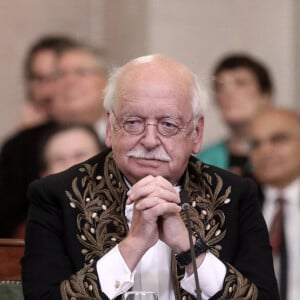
(150, 65)
(275, 140)
(277, 112)
(155, 69)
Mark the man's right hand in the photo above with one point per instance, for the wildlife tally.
(152, 197)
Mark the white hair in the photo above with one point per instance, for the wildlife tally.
(200, 98)
(111, 89)
(199, 94)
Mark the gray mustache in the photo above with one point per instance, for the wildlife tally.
(156, 154)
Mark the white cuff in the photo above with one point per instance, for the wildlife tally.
(211, 275)
(114, 275)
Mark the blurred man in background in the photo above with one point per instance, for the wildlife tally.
(40, 76)
(242, 86)
(18, 156)
(275, 144)
(82, 74)
(78, 82)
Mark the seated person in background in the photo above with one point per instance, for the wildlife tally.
(115, 222)
(67, 145)
(242, 86)
(82, 73)
(60, 148)
(274, 136)
(80, 79)
(18, 155)
(39, 77)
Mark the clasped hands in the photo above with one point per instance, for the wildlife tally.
(155, 216)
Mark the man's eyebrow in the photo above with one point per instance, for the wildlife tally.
(166, 115)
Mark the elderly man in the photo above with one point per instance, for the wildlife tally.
(275, 141)
(115, 223)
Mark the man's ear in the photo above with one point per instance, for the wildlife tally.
(108, 131)
(198, 135)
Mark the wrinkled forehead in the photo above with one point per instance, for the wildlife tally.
(75, 57)
(236, 75)
(43, 60)
(275, 122)
(161, 76)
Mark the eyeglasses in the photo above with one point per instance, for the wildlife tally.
(41, 79)
(167, 126)
(78, 72)
(275, 139)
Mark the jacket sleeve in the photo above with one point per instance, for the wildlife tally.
(47, 271)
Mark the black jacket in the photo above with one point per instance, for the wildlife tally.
(18, 167)
(79, 215)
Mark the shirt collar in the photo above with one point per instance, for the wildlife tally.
(290, 193)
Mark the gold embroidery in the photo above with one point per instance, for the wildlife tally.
(82, 285)
(96, 197)
(207, 198)
(238, 287)
(103, 200)
(103, 196)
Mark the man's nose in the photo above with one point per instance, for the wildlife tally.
(150, 138)
(67, 76)
(265, 147)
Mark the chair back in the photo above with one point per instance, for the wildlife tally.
(11, 251)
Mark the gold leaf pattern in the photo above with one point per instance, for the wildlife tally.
(81, 285)
(207, 201)
(238, 287)
(96, 197)
(101, 224)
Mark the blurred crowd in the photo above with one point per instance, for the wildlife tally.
(63, 123)
(64, 81)
(263, 143)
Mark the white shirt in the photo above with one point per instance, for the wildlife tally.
(291, 194)
(153, 272)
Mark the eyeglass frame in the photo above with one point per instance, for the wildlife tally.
(275, 139)
(79, 72)
(145, 124)
(35, 78)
